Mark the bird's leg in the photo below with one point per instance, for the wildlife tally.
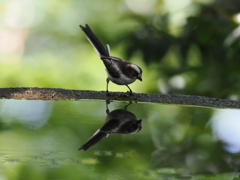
(129, 89)
(125, 107)
(107, 87)
(107, 102)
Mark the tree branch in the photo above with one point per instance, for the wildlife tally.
(67, 94)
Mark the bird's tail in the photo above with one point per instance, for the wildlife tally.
(98, 135)
(98, 47)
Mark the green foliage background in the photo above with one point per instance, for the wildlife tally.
(186, 47)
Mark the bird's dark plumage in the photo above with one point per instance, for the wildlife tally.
(95, 41)
(119, 71)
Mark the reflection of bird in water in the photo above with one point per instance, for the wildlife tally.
(119, 121)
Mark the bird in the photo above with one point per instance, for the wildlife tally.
(118, 70)
(119, 121)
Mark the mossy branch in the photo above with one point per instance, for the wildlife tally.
(68, 94)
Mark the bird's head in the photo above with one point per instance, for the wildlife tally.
(136, 72)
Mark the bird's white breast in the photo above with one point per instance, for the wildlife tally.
(122, 80)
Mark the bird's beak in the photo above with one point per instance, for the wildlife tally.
(140, 78)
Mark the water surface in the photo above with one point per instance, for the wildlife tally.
(40, 140)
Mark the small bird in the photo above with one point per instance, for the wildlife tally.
(119, 121)
(119, 71)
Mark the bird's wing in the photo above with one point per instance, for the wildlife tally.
(111, 126)
(113, 65)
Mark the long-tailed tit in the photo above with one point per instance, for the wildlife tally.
(119, 71)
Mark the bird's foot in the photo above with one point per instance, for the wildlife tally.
(130, 93)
